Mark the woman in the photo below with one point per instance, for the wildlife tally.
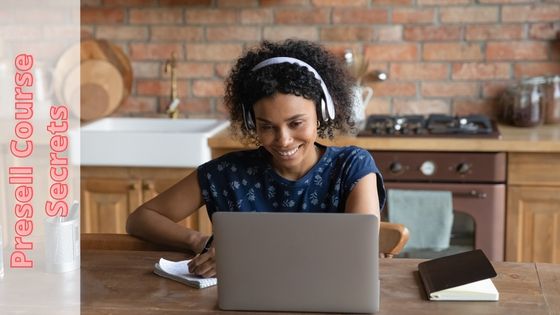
(282, 97)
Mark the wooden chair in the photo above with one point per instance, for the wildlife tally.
(392, 238)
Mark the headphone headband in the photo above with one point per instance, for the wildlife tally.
(327, 106)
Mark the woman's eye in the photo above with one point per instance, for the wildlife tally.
(296, 123)
(265, 127)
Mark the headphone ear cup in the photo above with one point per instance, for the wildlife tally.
(248, 118)
(324, 114)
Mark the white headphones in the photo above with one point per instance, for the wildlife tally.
(327, 106)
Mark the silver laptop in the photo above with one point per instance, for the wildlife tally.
(301, 262)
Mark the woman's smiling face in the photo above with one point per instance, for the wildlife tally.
(287, 129)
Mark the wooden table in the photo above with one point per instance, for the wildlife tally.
(122, 282)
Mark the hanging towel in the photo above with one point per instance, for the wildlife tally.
(427, 214)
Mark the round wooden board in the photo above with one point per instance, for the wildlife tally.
(96, 86)
(100, 49)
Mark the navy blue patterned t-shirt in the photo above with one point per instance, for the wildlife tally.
(245, 181)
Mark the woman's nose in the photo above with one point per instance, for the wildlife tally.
(283, 137)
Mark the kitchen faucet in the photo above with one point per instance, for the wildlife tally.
(173, 107)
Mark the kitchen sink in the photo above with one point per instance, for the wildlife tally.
(150, 142)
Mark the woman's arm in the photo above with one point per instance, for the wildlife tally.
(363, 198)
(156, 219)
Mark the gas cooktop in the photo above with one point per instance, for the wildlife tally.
(435, 125)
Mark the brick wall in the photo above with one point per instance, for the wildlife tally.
(448, 56)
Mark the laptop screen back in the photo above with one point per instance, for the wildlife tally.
(317, 262)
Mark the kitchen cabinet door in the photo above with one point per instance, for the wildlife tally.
(107, 202)
(533, 224)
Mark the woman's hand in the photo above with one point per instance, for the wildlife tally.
(204, 264)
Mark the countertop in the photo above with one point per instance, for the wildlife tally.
(545, 139)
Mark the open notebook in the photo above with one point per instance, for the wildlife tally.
(179, 271)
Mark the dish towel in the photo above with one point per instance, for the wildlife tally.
(427, 214)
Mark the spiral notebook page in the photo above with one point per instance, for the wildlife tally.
(179, 271)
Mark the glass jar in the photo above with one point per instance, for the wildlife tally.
(552, 100)
(528, 105)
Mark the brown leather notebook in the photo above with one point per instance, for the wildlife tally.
(460, 277)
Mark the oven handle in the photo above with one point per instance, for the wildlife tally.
(471, 194)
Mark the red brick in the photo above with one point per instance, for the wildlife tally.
(233, 33)
(516, 51)
(299, 16)
(505, 1)
(279, 3)
(208, 88)
(185, 3)
(160, 87)
(128, 3)
(196, 107)
(339, 48)
(476, 106)
(378, 106)
(392, 52)
(413, 16)
(192, 70)
(544, 31)
(432, 33)
(422, 107)
(118, 32)
(388, 33)
(178, 33)
(393, 2)
(392, 88)
(147, 69)
(488, 32)
(338, 3)
(90, 3)
(346, 33)
(418, 71)
(284, 32)
(452, 51)
(469, 14)
(155, 51)
(495, 89)
(534, 69)
(362, 15)
(213, 52)
(222, 69)
(443, 2)
(137, 104)
(480, 71)
(237, 3)
(155, 16)
(101, 15)
(211, 16)
(531, 13)
(257, 16)
(449, 89)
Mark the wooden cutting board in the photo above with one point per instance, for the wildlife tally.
(100, 49)
(96, 87)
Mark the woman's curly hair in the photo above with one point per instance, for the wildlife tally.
(244, 86)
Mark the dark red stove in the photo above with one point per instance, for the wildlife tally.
(435, 125)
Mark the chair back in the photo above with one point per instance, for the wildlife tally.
(392, 238)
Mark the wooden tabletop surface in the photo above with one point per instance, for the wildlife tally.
(122, 282)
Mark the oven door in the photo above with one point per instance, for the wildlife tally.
(484, 203)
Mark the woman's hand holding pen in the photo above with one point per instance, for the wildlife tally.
(204, 264)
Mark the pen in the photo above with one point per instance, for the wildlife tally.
(208, 244)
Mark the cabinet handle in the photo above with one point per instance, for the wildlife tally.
(471, 194)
